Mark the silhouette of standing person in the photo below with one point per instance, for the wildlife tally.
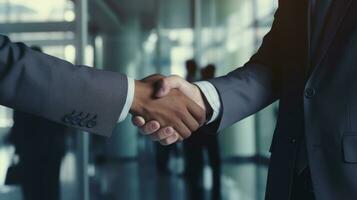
(40, 145)
(210, 143)
(163, 152)
(203, 140)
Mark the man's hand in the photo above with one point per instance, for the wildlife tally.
(165, 85)
(177, 114)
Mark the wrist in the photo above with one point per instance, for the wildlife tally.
(141, 91)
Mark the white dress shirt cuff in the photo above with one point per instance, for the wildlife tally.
(129, 99)
(212, 98)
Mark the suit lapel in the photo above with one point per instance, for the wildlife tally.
(333, 21)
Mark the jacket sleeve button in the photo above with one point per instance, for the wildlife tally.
(309, 93)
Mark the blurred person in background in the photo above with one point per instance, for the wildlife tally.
(189, 156)
(163, 152)
(191, 70)
(40, 147)
(163, 156)
(210, 143)
(203, 140)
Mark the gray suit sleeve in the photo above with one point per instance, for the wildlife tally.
(45, 86)
(254, 86)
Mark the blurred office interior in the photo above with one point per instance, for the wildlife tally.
(139, 38)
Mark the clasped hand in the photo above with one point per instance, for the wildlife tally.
(167, 109)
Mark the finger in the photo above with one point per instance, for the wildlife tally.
(163, 134)
(190, 122)
(150, 128)
(167, 84)
(182, 129)
(175, 132)
(170, 140)
(138, 121)
(197, 112)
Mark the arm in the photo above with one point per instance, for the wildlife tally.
(52, 88)
(85, 98)
(240, 93)
(254, 86)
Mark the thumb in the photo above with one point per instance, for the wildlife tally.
(167, 84)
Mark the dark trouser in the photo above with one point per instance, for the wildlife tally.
(163, 157)
(302, 186)
(212, 147)
(40, 179)
(194, 154)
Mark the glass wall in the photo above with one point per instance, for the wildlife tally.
(15, 11)
(229, 33)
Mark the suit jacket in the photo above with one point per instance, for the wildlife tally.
(48, 87)
(317, 96)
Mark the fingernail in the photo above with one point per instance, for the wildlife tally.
(168, 131)
(138, 122)
(153, 126)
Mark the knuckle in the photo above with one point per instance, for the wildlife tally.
(180, 113)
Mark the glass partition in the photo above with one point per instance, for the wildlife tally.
(14, 11)
(49, 25)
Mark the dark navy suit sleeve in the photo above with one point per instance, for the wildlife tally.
(254, 86)
(77, 96)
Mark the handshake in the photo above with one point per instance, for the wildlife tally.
(168, 109)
